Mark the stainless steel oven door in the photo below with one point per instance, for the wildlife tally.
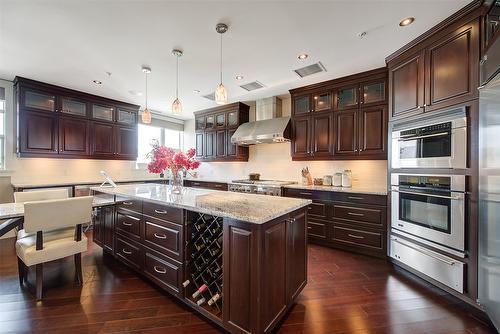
(435, 149)
(437, 218)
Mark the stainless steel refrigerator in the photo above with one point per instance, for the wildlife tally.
(489, 185)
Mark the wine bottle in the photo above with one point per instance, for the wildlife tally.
(201, 301)
(185, 283)
(199, 227)
(214, 299)
(200, 290)
(200, 246)
(214, 251)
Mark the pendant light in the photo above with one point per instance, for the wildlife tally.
(176, 105)
(146, 114)
(220, 92)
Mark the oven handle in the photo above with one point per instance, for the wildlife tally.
(457, 198)
(424, 251)
(402, 138)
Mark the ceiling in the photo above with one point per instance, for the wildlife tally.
(71, 42)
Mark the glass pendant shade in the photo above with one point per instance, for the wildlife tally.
(146, 116)
(221, 94)
(177, 107)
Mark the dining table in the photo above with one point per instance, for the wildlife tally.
(13, 213)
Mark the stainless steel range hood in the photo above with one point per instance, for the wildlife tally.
(269, 126)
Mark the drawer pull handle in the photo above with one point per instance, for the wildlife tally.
(196, 184)
(355, 197)
(161, 212)
(132, 217)
(356, 236)
(126, 251)
(128, 203)
(218, 186)
(160, 270)
(356, 214)
(309, 208)
(309, 228)
(160, 236)
(127, 224)
(305, 194)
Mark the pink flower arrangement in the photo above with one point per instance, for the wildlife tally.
(166, 158)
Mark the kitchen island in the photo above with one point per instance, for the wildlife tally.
(238, 259)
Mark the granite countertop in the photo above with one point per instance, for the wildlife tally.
(251, 208)
(369, 190)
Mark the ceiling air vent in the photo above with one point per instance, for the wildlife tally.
(309, 70)
(252, 86)
(210, 96)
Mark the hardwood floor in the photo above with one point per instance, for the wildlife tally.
(346, 293)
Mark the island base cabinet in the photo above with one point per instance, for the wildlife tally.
(266, 268)
(103, 229)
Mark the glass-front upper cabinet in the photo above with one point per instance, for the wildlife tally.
(102, 112)
(39, 100)
(209, 121)
(373, 92)
(302, 104)
(347, 98)
(322, 101)
(232, 118)
(126, 116)
(73, 107)
(199, 123)
(220, 120)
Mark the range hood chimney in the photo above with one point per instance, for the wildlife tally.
(269, 126)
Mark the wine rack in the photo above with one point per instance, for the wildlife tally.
(203, 279)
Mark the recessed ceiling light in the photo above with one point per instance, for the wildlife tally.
(196, 91)
(239, 77)
(97, 82)
(303, 56)
(407, 21)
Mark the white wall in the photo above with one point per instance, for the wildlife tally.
(273, 161)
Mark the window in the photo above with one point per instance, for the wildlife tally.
(148, 133)
(2, 132)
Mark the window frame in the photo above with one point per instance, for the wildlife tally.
(142, 164)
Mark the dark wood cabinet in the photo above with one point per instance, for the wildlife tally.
(74, 136)
(103, 227)
(296, 249)
(372, 139)
(352, 125)
(103, 140)
(301, 132)
(437, 73)
(57, 122)
(322, 134)
(346, 132)
(349, 221)
(301, 105)
(37, 133)
(213, 131)
(126, 142)
(407, 80)
(206, 185)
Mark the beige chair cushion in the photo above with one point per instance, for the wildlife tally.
(56, 214)
(56, 245)
(40, 195)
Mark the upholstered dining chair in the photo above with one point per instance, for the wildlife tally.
(40, 195)
(52, 230)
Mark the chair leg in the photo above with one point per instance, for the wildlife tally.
(22, 271)
(78, 268)
(39, 281)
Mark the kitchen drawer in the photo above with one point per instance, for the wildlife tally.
(129, 252)
(129, 204)
(165, 237)
(357, 237)
(163, 212)
(163, 271)
(206, 185)
(361, 198)
(368, 215)
(304, 193)
(129, 224)
(318, 209)
(316, 229)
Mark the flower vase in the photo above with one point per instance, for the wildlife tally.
(176, 181)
